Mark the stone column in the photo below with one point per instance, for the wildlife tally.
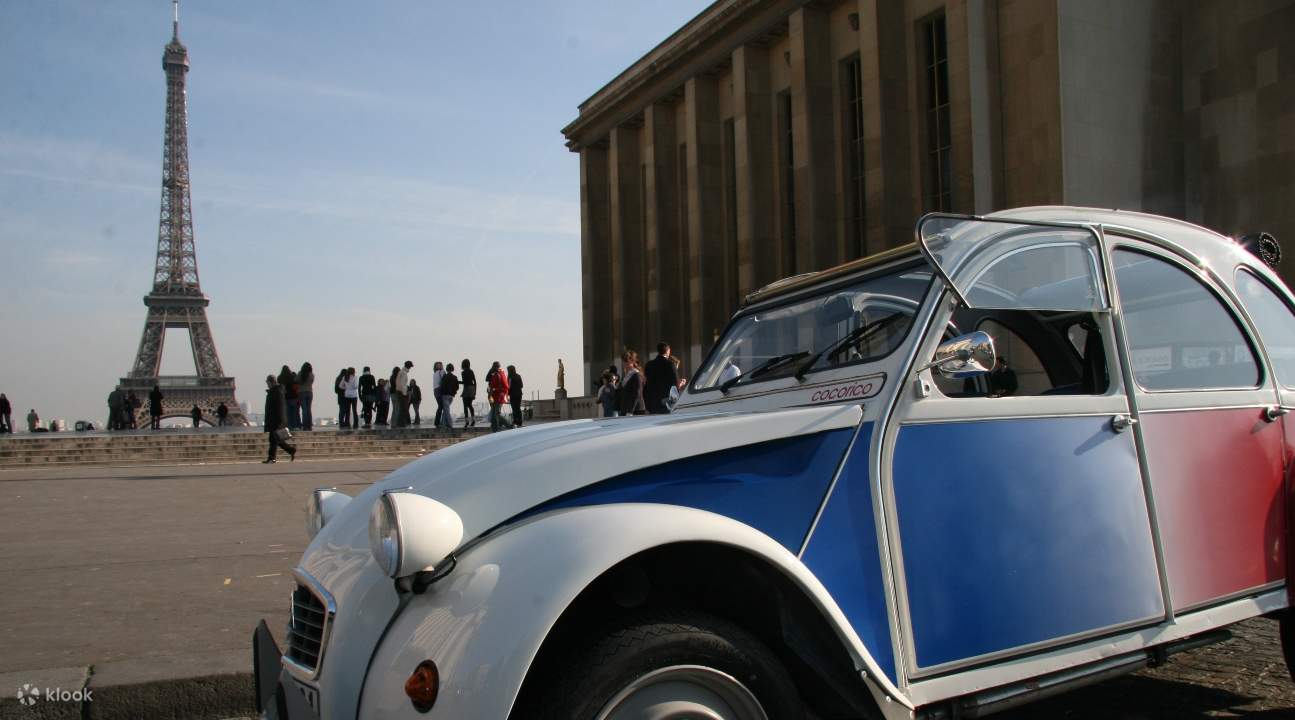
(629, 305)
(667, 307)
(894, 192)
(595, 259)
(812, 135)
(757, 238)
(707, 291)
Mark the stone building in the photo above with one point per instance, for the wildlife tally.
(767, 138)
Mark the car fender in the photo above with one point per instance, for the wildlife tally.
(483, 625)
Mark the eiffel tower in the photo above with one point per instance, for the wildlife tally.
(176, 300)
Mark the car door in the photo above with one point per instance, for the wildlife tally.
(1213, 451)
(1016, 503)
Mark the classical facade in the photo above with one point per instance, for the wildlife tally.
(767, 138)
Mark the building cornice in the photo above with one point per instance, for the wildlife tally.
(703, 44)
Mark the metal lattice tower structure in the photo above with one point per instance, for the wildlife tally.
(176, 300)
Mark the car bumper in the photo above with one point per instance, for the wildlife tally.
(279, 696)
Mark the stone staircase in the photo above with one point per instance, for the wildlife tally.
(188, 447)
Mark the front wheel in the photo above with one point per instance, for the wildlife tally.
(672, 665)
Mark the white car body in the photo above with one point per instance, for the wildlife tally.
(537, 533)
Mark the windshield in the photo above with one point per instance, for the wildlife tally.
(855, 324)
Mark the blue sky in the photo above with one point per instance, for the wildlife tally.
(372, 182)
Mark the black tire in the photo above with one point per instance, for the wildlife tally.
(593, 673)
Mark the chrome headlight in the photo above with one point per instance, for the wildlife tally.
(324, 505)
(409, 533)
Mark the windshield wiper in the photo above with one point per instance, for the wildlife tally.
(853, 337)
(767, 366)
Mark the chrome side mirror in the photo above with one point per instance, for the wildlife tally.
(964, 356)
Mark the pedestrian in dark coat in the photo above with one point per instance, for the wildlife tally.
(469, 393)
(6, 415)
(155, 406)
(660, 376)
(631, 395)
(196, 414)
(515, 394)
(276, 419)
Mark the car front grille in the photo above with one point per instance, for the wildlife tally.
(308, 628)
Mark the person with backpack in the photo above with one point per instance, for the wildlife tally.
(449, 388)
(497, 389)
(515, 394)
(469, 393)
(351, 398)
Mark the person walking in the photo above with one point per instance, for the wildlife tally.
(6, 415)
(607, 395)
(133, 404)
(438, 372)
(155, 407)
(350, 399)
(497, 394)
(383, 395)
(33, 420)
(222, 415)
(631, 395)
(196, 414)
(416, 401)
(368, 395)
(661, 375)
(306, 395)
(469, 393)
(276, 412)
(515, 394)
(449, 388)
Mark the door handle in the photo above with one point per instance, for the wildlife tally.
(1120, 423)
(1274, 412)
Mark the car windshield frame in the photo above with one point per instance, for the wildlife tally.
(916, 263)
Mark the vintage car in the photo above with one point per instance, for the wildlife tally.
(1029, 451)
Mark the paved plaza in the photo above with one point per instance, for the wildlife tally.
(149, 575)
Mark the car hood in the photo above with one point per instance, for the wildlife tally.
(493, 478)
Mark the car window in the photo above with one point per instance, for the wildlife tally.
(1039, 353)
(1016, 266)
(1276, 324)
(855, 324)
(1181, 337)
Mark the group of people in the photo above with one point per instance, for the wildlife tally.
(365, 401)
(123, 410)
(637, 389)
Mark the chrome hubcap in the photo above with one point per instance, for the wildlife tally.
(684, 692)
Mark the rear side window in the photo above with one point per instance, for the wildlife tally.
(1181, 337)
(1275, 322)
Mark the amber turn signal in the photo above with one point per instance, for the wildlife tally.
(422, 686)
